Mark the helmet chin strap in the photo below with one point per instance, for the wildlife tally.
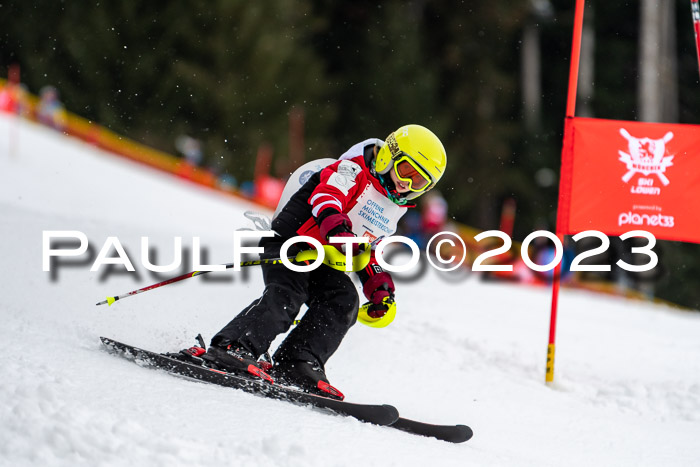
(391, 191)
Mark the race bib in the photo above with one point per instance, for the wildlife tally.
(374, 215)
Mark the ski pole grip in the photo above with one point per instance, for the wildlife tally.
(364, 317)
(336, 259)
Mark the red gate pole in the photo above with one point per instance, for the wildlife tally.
(695, 10)
(570, 112)
(14, 83)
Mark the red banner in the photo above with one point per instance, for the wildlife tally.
(618, 176)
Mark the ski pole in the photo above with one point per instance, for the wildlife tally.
(332, 258)
(172, 280)
(364, 317)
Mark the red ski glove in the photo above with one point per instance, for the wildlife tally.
(376, 289)
(338, 225)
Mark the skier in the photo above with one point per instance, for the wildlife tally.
(364, 193)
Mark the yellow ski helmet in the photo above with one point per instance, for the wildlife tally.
(417, 156)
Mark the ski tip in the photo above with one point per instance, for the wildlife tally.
(449, 433)
(107, 342)
(465, 434)
(392, 413)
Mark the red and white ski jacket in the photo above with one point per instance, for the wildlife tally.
(346, 185)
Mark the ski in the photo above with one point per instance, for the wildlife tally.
(375, 414)
(449, 433)
(384, 415)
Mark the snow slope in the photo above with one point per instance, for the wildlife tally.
(627, 389)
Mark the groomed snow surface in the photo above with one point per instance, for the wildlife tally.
(627, 389)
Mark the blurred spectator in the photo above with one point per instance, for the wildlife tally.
(226, 181)
(50, 111)
(434, 220)
(24, 109)
(411, 226)
(434, 213)
(248, 188)
(190, 148)
(13, 99)
(544, 252)
(420, 225)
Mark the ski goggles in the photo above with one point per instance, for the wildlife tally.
(412, 174)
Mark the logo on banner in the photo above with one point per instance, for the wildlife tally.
(651, 220)
(647, 157)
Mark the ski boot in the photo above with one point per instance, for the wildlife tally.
(307, 376)
(234, 358)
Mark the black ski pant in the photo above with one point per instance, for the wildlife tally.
(333, 305)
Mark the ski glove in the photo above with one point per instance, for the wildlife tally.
(376, 289)
(333, 223)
